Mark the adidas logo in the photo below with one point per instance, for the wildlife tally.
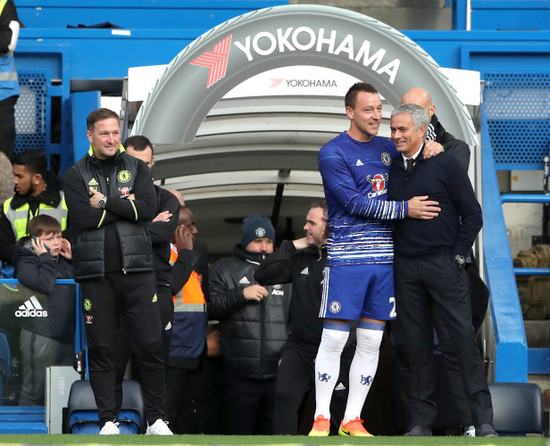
(359, 162)
(244, 281)
(305, 271)
(168, 326)
(31, 308)
(340, 386)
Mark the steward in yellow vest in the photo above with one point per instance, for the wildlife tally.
(36, 193)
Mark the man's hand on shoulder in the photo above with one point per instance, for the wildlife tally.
(423, 209)
(300, 243)
(431, 148)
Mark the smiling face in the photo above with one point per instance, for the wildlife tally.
(365, 116)
(406, 138)
(315, 227)
(104, 138)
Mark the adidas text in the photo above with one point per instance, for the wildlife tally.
(31, 313)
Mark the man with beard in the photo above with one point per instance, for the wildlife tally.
(301, 262)
(36, 193)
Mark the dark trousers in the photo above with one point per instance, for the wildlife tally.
(125, 347)
(249, 405)
(195, 398)
(105, 301)
(7, 126)
(424, 286)
(295, 380)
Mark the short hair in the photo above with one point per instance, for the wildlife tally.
(418, 115)
(43, 224)
(99, 115)
(351, 95)
(34, 161)
(139, 143)
(320, 204)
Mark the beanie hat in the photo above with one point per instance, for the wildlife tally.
(256, 226)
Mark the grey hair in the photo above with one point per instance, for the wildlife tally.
(418, 115)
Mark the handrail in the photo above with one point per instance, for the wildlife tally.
(524, 198)
(511, 360)
(527, 198)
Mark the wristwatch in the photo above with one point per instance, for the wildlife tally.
(460, 260)
(102, 202)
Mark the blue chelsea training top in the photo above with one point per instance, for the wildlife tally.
(355, 178)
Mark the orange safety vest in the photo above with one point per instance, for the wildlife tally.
(190, 297)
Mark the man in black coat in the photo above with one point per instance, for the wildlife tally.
(429, 272)
(253, 328)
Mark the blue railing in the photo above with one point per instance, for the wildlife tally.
(511, 355)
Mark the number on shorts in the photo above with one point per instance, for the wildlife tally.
(393, 313)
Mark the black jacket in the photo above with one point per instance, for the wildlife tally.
(39, 273)
(441, 178)
(304, 269)
(161, 233)
(252, 333)
(118, 233)
(456, 147)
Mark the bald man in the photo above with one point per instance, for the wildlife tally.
(436, 132)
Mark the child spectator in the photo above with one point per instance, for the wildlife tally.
(47, 317)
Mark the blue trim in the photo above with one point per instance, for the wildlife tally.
(539, 361)
(368, 325)
(511, 343)
(336, 326)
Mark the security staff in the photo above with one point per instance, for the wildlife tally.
(36, 193)
(188, 341)
(110, 196)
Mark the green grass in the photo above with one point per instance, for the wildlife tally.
(220, 440)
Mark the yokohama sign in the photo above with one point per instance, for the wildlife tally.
(314, 36)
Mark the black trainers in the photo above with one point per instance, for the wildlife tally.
(469, 430)
(485, 430)
(419, 431)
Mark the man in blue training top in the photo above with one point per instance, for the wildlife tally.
(358, 282)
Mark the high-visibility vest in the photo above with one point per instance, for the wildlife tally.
(188, 338)
(20, 217)
(190, 297)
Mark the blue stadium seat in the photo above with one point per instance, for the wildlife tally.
(518, 408)
(82, 411)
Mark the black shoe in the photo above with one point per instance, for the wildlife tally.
(485, 430)
(419, 431)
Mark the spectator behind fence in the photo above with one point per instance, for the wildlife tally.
(111, 197)
(47, 336)
(253, 327)
(9, 82)
(37, 192)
